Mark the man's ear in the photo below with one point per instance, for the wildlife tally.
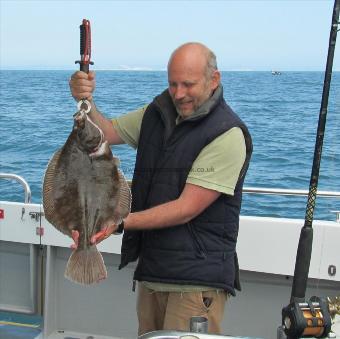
(215, 79)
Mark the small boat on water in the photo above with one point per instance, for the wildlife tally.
(276, 73)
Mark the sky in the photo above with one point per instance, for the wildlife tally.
(245, 35)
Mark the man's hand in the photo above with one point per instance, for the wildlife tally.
(103, 234)
(75, 237)
(96, 238)
(82, 85)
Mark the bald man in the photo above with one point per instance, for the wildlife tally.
(193, 153)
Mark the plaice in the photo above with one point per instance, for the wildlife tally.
(84, 190)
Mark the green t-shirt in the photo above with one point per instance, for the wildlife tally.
(217, 167)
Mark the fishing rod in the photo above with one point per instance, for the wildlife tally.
(85, 58)
(303, 319)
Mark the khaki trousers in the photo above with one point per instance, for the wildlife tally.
(173, 310)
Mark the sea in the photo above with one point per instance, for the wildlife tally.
(281, 112)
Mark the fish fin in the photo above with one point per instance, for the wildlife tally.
(124, 205)
(48, 190)
(86, 266)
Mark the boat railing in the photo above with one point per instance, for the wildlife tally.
(249, 190)
(22, 181)
(282, 191)
(293, 192)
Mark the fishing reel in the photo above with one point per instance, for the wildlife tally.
(307, 319)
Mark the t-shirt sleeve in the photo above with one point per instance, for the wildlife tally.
(219, 164)
(128, 126)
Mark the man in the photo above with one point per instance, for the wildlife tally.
(192, 155)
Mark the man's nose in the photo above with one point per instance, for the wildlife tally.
(179, 92)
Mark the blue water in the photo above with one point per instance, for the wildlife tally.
(280, 111)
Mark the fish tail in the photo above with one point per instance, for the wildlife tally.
(86, 266)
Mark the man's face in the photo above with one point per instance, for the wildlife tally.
(188, 93)
(189, 87)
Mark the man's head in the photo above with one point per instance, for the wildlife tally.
(192, 77)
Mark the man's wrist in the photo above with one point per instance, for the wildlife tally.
(120, 228)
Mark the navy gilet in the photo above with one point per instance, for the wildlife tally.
(202, 251)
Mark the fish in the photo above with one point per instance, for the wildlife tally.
(84, 190)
